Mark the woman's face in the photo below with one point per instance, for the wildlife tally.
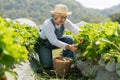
(60, 20)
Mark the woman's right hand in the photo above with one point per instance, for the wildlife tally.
(72, 47)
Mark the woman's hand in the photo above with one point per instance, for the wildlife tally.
(71, 47)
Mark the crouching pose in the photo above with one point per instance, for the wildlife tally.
(52, 35)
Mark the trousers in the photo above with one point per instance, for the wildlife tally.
(45, 51)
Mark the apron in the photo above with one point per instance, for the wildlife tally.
(59, 31)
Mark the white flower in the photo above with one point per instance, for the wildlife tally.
(97, 42)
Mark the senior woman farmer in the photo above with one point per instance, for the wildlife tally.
(52, 35)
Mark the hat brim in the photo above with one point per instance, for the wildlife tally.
(54, 12)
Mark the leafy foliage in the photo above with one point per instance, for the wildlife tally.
(39, 10)
(115, 17)
(15, 43)
(97, 39)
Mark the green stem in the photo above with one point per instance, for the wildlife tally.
(112, 44)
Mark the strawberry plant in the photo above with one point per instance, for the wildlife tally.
(15, 43)
(97, 39)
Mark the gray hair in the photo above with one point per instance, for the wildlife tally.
(54, 16)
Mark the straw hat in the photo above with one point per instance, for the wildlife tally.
(61, 10)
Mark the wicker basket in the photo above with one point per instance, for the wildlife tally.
(62, 65)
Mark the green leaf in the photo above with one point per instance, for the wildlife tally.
(7, 60)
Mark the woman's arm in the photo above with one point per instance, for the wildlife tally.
(49, 31)
(72, 27)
